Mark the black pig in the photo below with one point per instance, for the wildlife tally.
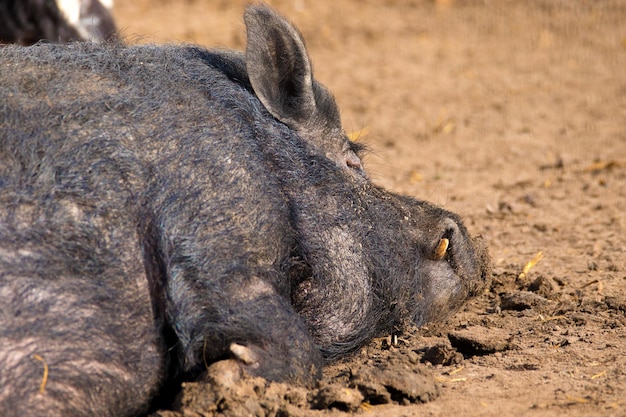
(163, 207)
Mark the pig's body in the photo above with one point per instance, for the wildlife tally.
(159, 210)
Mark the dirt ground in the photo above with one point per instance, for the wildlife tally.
(511, 113)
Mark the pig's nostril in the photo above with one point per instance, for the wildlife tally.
(442, 248)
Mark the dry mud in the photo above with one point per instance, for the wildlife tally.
(511, 113)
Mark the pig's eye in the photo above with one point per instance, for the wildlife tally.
(353, 161)
(352, 156)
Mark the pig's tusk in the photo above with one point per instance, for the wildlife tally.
(442, 248)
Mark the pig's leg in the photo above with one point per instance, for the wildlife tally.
(222, 243)
(247, 319)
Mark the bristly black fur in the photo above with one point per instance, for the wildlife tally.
(163, 207)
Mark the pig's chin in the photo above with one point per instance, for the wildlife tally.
(441, 292)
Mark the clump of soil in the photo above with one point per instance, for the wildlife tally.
(228, 391)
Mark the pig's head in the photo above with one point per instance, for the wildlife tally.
(368, 259)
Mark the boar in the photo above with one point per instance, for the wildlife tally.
(165, 207)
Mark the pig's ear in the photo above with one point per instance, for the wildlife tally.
(280, 72)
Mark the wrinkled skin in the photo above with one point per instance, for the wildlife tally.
(166, 207)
